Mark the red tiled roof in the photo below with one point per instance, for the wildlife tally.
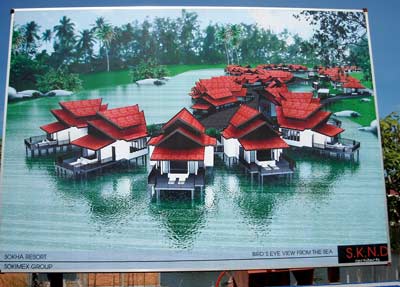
(299, 97)
(54, 127)
(126, 134)
(221, 102)
(311, 122)
(243, 115)
(124, 117)
(155, 140)
(161, 153)
(83, 108)
(201, 139)
(353, 85)
(68, 119)
(241, 93)
(219, 93)
(199, 106)
(185, 116)
(260, 144)
(92, 142)
(299, 109)
(328, 130)
(232, 132)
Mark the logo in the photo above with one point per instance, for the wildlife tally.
(363, 253)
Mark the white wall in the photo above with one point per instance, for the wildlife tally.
(306, 139)
(231, 147)
(151, 149)
(72, 133)
(122, 150)
(209, 156)
(321, 139)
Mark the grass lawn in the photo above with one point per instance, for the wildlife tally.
(360, 76)
(122, 77)
(366, 109)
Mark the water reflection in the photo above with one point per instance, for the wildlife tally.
(182, 219)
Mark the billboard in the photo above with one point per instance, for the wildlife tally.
(190, 138)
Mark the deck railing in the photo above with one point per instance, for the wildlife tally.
(341, 145)
(42, 142)
(67, 162)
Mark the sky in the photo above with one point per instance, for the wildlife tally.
(275, 19)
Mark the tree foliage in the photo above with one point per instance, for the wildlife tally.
(339, 38)
(148, 69)
(59, 79)
(334, 32)
(390, 134)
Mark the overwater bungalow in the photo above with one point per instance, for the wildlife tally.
(303, 124)
(250, 140)
(71, 124)
(117, 136)
(217, 93)
(284, 67)
(270, 94)
(180, 155)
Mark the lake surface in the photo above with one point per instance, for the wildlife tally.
(328, 202)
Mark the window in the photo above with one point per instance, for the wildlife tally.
(265, 155)
(292, 135)
(178, 167)
(137, 145)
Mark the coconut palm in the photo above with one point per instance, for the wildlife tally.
(85, 44)
(104, 33)
(65, 35)
(236, 34)
(47, 35)
(31, 30)
(223, 34)
(65, 31)
(18, 39)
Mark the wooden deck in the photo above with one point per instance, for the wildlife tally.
(65, 166)
(346, 149)
(40, 145)
(160, 183)
(285, 166)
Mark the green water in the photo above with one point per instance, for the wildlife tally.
(327, 203)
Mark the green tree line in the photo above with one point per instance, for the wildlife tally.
(167, 41)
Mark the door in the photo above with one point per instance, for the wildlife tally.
(252, 156)
(241, 152)
(113, 153)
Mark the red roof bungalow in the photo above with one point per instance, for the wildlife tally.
(180, 155)
(352, 86)
(302, 123)
(236, 70)
(250, 140)
(284, 67)
(71, 124)
(115, 135)
(216, 93)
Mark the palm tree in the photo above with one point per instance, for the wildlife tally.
(223, 35)
(18, 39)
(31, 30)
(85, 44)
(104, 33)
(47, 35)
(236, 34)
(65, 34)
